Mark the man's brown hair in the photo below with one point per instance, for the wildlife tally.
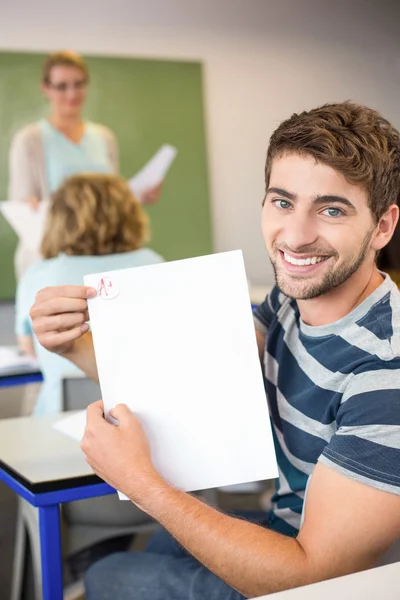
(64, 58)
(93, 215)
(354, 140)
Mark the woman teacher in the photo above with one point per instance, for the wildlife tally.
(44, 153)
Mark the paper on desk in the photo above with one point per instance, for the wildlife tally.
(154, 171)
(12, 361)
(27, 222)
(72, 425)
(177, 344)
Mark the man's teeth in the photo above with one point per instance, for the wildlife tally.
(311, 260)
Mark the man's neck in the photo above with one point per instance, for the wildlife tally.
(340, 301)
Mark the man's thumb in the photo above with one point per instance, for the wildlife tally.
(121, 413)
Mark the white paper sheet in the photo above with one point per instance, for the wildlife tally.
(177, 344)
(154, 171)
(12, 361)
(72, 425)
(27, 222)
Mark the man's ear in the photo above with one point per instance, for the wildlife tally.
(385, 228)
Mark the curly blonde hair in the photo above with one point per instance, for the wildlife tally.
(93, 215)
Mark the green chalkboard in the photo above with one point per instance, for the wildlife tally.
(146, 103)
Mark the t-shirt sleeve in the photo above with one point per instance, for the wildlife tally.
(366, 445)
(265, 312)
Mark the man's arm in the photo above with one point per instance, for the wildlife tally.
(59, 319)
(263, 316)
(260, 344)
(81, 353)
(341, 535)
(348, 525)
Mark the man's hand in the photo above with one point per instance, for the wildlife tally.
(59, 316)
(120, 454)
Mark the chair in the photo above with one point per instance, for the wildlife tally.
(83, 522)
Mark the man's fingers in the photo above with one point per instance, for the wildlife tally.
(94, 422)
(56, 306)
(121, 412)
(95, 416)
(96, 409)
(66, 291)
(58, 339)
(59, 323)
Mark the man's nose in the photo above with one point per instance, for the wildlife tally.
(301, 231)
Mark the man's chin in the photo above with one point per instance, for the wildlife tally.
(300, 290)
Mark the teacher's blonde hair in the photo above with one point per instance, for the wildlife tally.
(64, 58)
(93, 215)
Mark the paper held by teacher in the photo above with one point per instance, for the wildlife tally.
(176, 342)
(27, 222)
(154, 172)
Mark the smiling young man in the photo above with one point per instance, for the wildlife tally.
(329, 339)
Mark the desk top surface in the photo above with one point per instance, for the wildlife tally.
(13, 364)
(374, 584)
(40, 457)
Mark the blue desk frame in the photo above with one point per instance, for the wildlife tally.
(20, 379)
(48, 503)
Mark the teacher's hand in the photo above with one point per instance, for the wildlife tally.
(59, 316)
(151, 195)
(33, 203)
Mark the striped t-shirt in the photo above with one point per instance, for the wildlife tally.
(333, 394)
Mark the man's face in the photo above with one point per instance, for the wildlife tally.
(317, 227)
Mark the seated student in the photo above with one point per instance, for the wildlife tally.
(329, 339)
(94, 224)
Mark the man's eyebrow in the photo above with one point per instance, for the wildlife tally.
(281, 192)
(323, 199)
(329, 199)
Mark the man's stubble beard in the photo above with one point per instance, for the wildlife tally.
(332, 279)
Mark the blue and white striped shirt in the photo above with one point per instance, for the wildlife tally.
(333, 394)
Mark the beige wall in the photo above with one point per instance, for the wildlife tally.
(264, 59)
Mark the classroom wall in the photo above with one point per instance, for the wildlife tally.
(263, 59)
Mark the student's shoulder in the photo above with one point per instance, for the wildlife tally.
(277, 299)
(140, 258)
(275, 306)
(278, 304)
(38, 276)
(151, 256)
(38, 270)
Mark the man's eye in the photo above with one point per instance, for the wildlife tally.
(282, 204)
(333, 212)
